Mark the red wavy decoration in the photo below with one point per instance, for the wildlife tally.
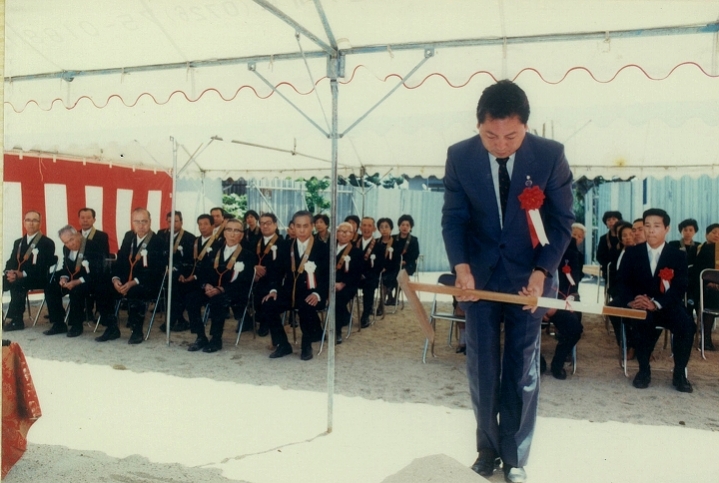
(354, 71)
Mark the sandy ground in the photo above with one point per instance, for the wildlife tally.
(147, 413)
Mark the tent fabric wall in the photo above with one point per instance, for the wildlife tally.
(621, 103)
(58, 188)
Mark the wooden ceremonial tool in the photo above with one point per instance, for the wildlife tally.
(410, 290)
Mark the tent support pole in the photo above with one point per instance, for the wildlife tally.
(171, 229)
(428, 53)
(330, 319)
(253, 68)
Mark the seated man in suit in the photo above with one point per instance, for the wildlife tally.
(708, 257)
(372, 256)
(137, 275)
(568, 323)
(653, 277)
(182, 263)
(348, 263)
(638, 231)
(267, 251)
(27, 268)
(82, 269)
(302, 284)
(223, 283)
(219, 218)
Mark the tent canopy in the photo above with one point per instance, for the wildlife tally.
(630, 87)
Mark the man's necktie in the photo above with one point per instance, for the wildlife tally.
(503, 184)
(653, 261)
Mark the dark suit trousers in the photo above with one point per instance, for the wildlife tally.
(683, 329)
(219, 308)
(507, 387)
(368, 286)
(569, 329)
(53, 298)
(343, 311)
(18, 294)
(309, 321)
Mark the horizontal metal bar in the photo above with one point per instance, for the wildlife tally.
(709, 28)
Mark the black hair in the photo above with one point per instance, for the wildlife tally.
(503, 100)
(354, 218)
(711, 227)
(689, 222)
(270, 216)
(657, 212)
(385, 220)
(86, 209)
(323, 217)
(622, 225)
(205, 216)
(177, 213)
(612, 214)
(300, 214)
(250, 212)
(406, 218)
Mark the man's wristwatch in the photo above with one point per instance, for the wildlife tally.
(544, 271)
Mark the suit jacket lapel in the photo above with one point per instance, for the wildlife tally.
(523, 166)
(480, 175)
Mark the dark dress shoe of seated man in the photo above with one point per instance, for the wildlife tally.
(14, 324)
(487, 461)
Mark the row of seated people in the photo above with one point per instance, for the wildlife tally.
(645, 272)
(200, 277)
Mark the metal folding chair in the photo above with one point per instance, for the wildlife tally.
(444, 279)
(52, 269)
(155, 300)
(708, 275)
(244, 314)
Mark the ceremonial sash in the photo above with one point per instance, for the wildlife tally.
(230, 262)
(406, 245)
(343, 255)
(29, 250)
(202, 254)
(91, 234)
(177, 240)
(369, 249)
(267, 249)
(78, 260)
(296, 272)
(138, 255)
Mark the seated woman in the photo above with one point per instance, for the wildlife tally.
(321, 223)
(390, 262)
(406, 248)
(252, 229)
(625, 234)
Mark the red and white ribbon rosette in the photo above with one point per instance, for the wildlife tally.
(567, 270)
(86, 266)
(273, 249)
(310, 268)
(35, 251)
(143, 252)
(236, 269)
(347, 263)
(371, 259)
(390, 250)
(531, 200)
(666, 275)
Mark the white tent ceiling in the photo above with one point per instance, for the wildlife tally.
(624, 101)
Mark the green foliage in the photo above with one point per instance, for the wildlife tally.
(235, 204)
(314, 197)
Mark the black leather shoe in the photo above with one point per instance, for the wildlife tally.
(112, 332)
(680, 381)
(199, 344)
(263, 332)
(163, 327)
(213, 346)
(542, 364)
(338, 341)
(14, 324)
(462, 349)
(137, 337)
(708, 344)
(559, 372)
(56, 329)
(380, 312)
(75, 331)
(181, 326)
(281, 351)
(487, 461)
(364, 322)
(642, 379)
(306, 353)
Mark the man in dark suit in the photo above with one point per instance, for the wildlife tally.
(373, 258)
(223, 283)
(137, 275)
(302, 284)
(653, 277)
(607, 250)
(27, 268)
(267, 250)
(348, 266)
(182, 263)
(82, 269)
(492, 246)
(86, 217)
(708, 257)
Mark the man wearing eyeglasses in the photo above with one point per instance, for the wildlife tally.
(27, 268)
